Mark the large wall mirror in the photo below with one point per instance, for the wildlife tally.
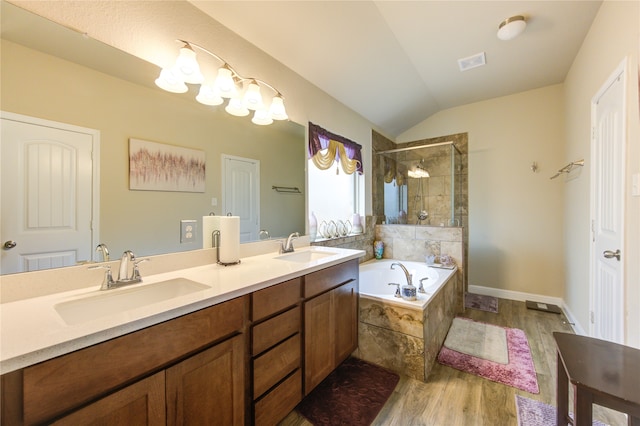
(53, 73)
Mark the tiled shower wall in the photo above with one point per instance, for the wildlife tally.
(415, 242)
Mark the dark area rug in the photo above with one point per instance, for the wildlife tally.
(352, 395)
(481, 302)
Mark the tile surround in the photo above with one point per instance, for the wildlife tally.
(407, 340)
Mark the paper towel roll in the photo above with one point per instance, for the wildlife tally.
(209, 224)
(229, 239)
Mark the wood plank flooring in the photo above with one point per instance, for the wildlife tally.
(451, 397)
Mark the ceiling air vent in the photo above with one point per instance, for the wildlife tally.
(473, 61)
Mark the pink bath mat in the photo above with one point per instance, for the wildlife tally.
(519, 372)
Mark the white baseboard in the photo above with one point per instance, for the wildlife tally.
(522, 296)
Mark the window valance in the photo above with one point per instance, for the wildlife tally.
(338, 148)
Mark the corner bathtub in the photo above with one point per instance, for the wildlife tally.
(375, 276)
(401, 335)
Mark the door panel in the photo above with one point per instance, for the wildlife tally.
(46, 196)
(241, 194)
(607, 191)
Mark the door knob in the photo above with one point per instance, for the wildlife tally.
(8, 245)
(609, 254)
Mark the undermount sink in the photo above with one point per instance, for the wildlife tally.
(111, 302)
(305, 256)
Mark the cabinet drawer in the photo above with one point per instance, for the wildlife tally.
(58, 385)
(272, 299)
(326, 279)
(274, 330)
(280, 401)
(271, 367)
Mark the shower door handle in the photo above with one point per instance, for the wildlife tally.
(609, 254)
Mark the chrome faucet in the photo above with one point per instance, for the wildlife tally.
(265, 233)
(287, 247)
(406, 272)
(123, 272)
(102, 248)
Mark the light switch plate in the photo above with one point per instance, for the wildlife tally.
(635, 185)
(188, 230)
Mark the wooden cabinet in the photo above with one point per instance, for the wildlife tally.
(208, 388)
(330, 320)
(209, 341)
(276, 349)
(142, 403)
(195, 369)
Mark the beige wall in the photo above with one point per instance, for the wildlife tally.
(148, 30)
(612, 37)
(515, 215)
(148, 222)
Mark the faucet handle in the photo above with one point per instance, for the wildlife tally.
(421, 289)
(136, 272)
(397, 289)
(107, 281)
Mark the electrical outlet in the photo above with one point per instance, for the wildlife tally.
(187, 231)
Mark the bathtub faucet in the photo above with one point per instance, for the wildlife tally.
(406, 272)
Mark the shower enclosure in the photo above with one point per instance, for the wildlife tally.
(422, 185)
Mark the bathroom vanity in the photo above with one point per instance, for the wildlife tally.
(247, 358)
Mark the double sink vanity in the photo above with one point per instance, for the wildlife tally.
(209, 344)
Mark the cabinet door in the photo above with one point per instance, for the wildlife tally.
(139, 404)
(346, 320)
(319, 340)
(208, 388)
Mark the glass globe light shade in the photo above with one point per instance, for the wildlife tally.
(224, 82)
(261, 117)
(208, 95)
(169, 81)
(187, 66)
(236, 107)
(252, 98)
(277, 110)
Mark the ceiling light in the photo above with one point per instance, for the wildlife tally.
(512, 27)
(225, 85)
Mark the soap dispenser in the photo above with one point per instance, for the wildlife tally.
(409, 292)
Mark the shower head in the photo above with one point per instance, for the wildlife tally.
(419, 171)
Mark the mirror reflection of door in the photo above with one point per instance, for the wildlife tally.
(46, 194)
(241, 194)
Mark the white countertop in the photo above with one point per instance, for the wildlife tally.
(32, 331)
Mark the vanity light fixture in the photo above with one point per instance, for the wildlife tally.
(511, 27)
(244, 93)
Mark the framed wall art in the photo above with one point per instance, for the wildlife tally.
(161, 167)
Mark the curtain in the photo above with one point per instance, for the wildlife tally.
(340, 149)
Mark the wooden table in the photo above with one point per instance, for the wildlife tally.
(601, 372)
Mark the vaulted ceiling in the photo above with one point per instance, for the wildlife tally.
(396, 62)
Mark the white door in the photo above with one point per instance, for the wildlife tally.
(47, 194)
(241, 194)
(607, 210)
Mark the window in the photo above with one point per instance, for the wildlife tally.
(334, 170)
